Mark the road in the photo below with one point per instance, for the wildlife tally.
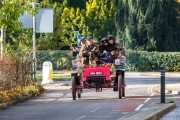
(57, 103)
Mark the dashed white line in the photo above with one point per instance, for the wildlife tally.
(81, 118)
(139, 107)
(96, 109)
(147, 100)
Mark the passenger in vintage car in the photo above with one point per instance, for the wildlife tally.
(89, 51)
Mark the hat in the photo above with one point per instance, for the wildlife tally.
(89, 37)
(82, 39)
(104, 40)
(111, 37)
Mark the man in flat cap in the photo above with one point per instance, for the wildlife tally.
(89, 51)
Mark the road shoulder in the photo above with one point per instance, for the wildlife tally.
(155, 112)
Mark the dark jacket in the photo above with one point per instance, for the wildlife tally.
(105, 48)
(76, 50)
(116, 46)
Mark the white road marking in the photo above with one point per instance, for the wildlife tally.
(148, 90)
(96, 109)
(151, 89)
(147, 100)
(81, 118)
(139, 107)
(152, 94)
(100, 116)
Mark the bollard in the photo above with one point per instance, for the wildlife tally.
(47, 73)
(162, 84)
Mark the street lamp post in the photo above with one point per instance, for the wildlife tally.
(77, 32)
(34, 42)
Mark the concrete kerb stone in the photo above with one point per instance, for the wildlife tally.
(13, 102)
(154, 112)
(48, 86)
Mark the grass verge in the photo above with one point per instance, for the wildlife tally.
(55, 76)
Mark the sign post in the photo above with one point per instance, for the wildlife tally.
(42, 22)
(34, 43)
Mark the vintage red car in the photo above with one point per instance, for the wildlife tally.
(106, 75)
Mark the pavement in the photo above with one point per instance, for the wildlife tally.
(155, 111)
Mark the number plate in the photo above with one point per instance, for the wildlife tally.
(95, 73)
(119, 61)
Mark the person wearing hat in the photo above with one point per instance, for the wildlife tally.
(104, 45)
(89, 37)
(105, 50)
(89, 49)
(82, 41)
(114, 45)
(76, 48)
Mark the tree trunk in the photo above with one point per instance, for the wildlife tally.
(3, 39)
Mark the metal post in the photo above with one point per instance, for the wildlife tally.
(162, 84)
(34, 43)
(76, 32)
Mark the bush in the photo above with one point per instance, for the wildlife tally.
(152, 61)
(60, 59)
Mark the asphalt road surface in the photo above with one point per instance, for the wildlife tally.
(57, 103)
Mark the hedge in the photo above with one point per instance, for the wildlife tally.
(60, 59)
(136, 60)
(152, 61)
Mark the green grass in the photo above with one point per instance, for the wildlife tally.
(171, 101)
(55, 76)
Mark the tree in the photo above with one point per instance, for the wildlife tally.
(148, 25)
(10, 11)
(97, 19)
(100, 18)
(64, 23)
(68, 3)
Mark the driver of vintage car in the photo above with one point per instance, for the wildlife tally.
(105, 51)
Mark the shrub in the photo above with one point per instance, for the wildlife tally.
(60, 59)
